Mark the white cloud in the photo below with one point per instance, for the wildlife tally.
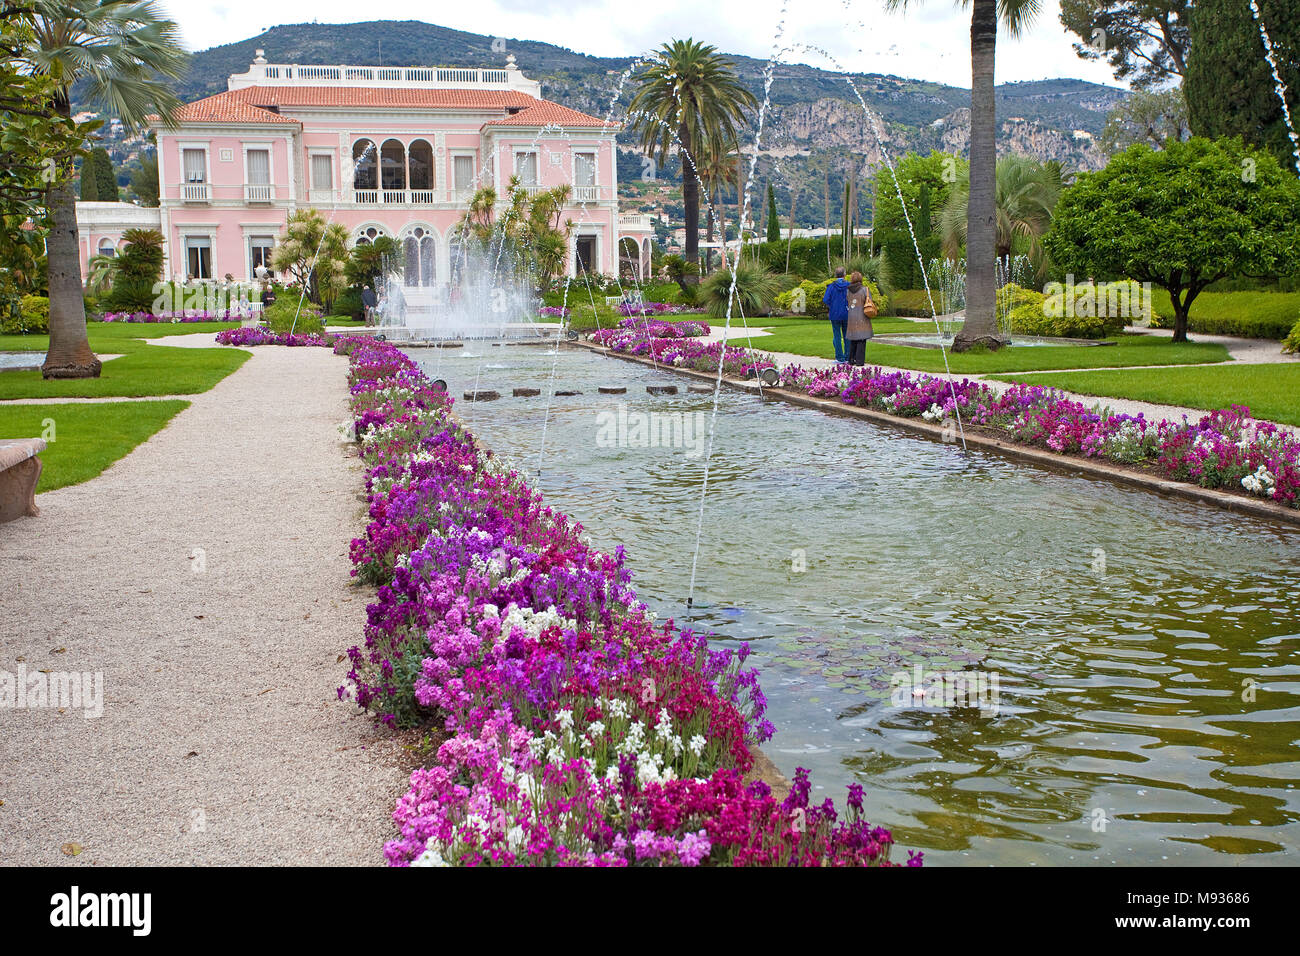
(928, 41)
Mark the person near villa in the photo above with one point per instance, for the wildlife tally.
(859, 309)
(836, 303)
(368, 302)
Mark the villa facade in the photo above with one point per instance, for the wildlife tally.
(383, 151)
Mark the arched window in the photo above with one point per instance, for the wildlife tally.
(418, 254)
(420, 163)
(369, 234)
(365, 164)
(107, 247)
(392, 165)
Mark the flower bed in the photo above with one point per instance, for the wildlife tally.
(656, 308)
(554, 311)
(1225, 449)
(579, 730)
(630, 337)
(260, 335)
(174, 317)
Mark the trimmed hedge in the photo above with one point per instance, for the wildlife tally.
(813, 292)
(1250, 315)
(1028, 315)
(913, 303)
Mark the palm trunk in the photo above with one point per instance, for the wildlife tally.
(69, 354)
(981, 325)
(690, 199)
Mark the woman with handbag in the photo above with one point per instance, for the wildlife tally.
(862, 309)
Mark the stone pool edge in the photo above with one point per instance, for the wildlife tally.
(1117, 473)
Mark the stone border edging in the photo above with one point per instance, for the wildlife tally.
(1117, 473)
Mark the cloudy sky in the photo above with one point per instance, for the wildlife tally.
(931, 41)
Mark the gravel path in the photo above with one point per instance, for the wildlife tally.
(221, 739)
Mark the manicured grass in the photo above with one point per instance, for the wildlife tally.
(342, 320)
(142, 370)
(116, 338)
(1264, 315)
(815, 339)
(87, 437)
(1272, 392)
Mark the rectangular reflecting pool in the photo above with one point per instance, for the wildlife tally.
(1136, 658)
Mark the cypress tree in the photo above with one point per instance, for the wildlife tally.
(105, 175)
(89, 183)
(1229, 85)
(773, 220)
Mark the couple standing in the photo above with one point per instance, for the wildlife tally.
(851, 310)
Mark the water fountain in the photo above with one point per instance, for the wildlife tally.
(485, 298)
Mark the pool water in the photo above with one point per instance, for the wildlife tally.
(1146, 650)
(21, 360)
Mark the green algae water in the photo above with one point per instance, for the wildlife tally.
(1136, 658)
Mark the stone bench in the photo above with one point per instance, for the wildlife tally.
(20, 469)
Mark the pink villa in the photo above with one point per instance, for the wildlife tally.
(382, 150)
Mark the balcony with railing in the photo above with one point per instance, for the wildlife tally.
(262, 73)
(394, 197)
(195, 192)
(258, 192)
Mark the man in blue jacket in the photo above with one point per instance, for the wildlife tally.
(837, 305)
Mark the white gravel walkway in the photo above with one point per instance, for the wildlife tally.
(206, 577)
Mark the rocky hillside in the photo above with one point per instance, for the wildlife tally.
(816, 129)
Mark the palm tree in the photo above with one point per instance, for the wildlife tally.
(690, 96)
(717, 169)
(1025, 196)
(121, 53)
(981, 325)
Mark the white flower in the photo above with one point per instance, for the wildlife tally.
(696, 745)
(565, 719)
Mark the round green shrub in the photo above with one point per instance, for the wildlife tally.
(33, 316)
(279, 318)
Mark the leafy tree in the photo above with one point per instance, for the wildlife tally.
(1181, 218)
(689, 99)
(313, 253)
(1229, 86)
(1145, 117)
(1144, 41)
(981, 324)
(938, 171)
(122, 53)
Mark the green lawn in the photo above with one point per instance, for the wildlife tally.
(1272, 392)
(142, 370)
(87, 437)
(814, 338)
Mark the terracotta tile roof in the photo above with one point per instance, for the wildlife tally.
(226, 108)
(249, 104)
(543, 112)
